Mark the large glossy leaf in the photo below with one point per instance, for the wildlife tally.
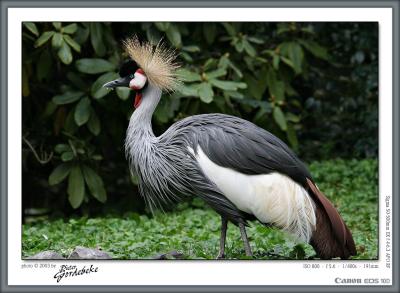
(191, 49)
(188, 90)
(162, 26)
(77, 80)
(205, 92)
(96, 38)
(67, 98)
(82, 111)
(216, 73)
(249, 48)
(59, 173)
(210, 32)
(76, 187)
(70, 29)
(43, 38)
(296, 55)
(65, 54)
(94, 123)
(315, 49)
(174, 36)
(292, 137)
(123, 93)
(95, 184)
(229, 28)
(44, 65)
(275, 86)
(57, 40)
(81, 35)
(97, 90)
(279, 118)
(57, 25)
(62, 147)
(188, 76)
(70, 125)
(94, 65)
(72, 43)
(228, 85)
(32, 28)
(67, 156)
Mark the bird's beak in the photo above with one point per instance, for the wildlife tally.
(119, 82)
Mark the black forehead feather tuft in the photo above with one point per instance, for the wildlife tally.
(128, 67)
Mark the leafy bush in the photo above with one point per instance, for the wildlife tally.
(269, 73)
(352, 186)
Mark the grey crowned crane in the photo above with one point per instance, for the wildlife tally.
(242, 171)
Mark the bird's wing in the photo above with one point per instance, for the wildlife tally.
(240, 145)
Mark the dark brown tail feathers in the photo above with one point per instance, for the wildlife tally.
(331, 237)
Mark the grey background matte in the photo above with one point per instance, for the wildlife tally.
(233, 3)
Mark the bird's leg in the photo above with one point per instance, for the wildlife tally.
(224, 227)
(245, 240)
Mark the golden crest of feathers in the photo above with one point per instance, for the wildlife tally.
(157, 62)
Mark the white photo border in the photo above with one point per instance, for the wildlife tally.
(199, 272)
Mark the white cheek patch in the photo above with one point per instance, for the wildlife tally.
(138, 81)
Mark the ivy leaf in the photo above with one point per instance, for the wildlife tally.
(82, 111)
(44, 38)
(206, 93)
(76, 187)
(95, 184)
(94, 65)
(279, 118)
(59, 173)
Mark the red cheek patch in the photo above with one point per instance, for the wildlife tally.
(138, 99)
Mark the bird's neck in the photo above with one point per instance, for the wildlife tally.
(140, 122)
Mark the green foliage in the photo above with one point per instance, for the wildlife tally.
(352, 186)
(268, 73)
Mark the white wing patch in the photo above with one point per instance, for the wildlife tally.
(272, 198)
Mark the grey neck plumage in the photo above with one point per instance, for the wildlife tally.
(140, 122)
(140, 141)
